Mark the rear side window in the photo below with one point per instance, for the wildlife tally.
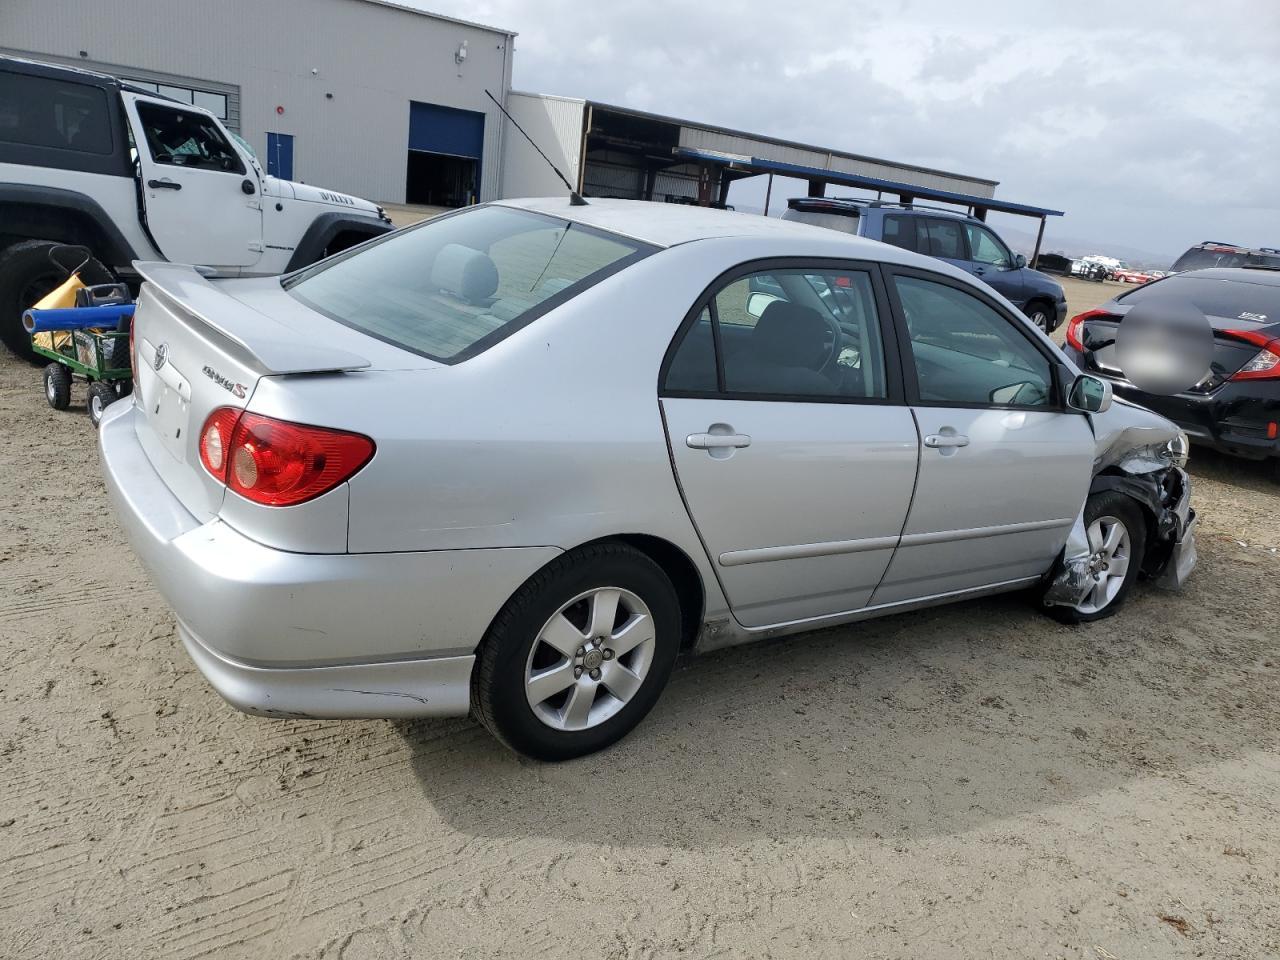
(186, 139)
(901, 232)
(455, 286)
(43, 112)
(1229, 299)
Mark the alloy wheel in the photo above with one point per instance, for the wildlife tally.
(1108, 562)
(590, 659)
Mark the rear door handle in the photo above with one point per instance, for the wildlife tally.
(717, 441)
(942, 440)
(164, 185)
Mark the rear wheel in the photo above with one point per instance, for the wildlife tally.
(26, 275)
(57, 386)
(1117, 534)
(579, 655)
(101, 395)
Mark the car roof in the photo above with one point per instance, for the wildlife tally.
(1262, 276)
(44, 68)
(669, 224)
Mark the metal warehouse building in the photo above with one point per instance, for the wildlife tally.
(363, 96)
(389, 103)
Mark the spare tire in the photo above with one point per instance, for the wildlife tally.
(26, 274)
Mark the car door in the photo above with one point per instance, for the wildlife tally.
(202, 205)
(991, 261)
(943, 238)
(1004, 466)
(791, 444)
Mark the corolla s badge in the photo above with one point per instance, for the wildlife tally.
(235, 389)
(162, 354)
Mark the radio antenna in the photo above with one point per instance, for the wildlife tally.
(575, 199)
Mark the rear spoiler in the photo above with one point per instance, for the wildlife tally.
(267, 344)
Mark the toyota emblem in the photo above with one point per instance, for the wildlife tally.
(162, 354)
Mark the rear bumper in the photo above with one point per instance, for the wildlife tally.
(325, 635)
(1236, 418)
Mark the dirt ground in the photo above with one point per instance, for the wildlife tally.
(973, 781)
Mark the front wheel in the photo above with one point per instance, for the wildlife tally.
(579, 655)
(1117, 534)
(1039, 314)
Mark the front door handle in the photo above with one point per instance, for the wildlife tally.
(943, 440)
(164, 185)
(717, 441)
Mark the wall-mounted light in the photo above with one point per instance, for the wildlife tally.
(462, 52)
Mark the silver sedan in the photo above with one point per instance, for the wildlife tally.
(514, 460)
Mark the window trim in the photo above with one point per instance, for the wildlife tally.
(894, 392)
(1018, 322)
(142, 103)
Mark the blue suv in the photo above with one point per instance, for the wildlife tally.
(964, 241)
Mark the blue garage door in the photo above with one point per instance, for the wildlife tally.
(436, 129)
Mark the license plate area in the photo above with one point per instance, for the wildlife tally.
(166, 398)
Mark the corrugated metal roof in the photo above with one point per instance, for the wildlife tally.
(761, 165)
(440, 16)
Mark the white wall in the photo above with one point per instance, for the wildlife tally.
(374, 59)
(555, 124)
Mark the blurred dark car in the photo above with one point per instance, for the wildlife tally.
(1236, 407)
(1211, 253)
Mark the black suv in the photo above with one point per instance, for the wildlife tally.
(964, 241)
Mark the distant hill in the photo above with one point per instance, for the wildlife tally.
(1024, 242)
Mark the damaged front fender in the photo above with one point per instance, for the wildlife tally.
(1170, 556)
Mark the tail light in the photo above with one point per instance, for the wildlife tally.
(275, 462)
(1076, 325)
(1265, 365)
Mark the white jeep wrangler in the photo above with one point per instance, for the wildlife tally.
(90, 160)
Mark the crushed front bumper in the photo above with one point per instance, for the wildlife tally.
(1171, 548)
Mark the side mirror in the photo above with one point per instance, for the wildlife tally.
(1019, 261)
(758, 301)
(1089, 394)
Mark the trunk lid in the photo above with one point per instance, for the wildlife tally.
(1098, 334)
(198, 349)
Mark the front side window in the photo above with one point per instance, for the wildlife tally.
(985, 247)
(185, 138)
(786, 333)
(941, 238)
(42, 112)
(966, 353)
(456, 285)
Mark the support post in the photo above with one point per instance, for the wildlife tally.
(817, 188)
(1035, 257)
(768, 192)
(650, 179)
(725, 181)
(980, 213)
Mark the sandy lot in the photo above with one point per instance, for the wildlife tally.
(975, 781)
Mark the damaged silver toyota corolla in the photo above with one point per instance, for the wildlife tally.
(512, 461)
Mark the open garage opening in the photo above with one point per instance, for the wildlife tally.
(446, 147)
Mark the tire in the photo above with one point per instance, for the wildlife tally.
(101, 395)
(57, 386)
(1102, 510)
(580, 714)
(1039, 313)
(26, 275)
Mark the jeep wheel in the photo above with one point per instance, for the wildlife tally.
(26, 275)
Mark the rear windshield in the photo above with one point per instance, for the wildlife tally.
(454, 286)
(844, 222)
(1199, 259)
(1215, 297)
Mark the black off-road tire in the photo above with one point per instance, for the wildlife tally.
(498, 698)
(101, 395)
(1111, 504)
(26, 274)
(57, 386)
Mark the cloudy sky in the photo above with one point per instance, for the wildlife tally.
(1152, 124)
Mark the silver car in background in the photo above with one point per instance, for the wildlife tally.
(513, 460)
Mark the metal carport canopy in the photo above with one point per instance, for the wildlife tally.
(980, 205)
